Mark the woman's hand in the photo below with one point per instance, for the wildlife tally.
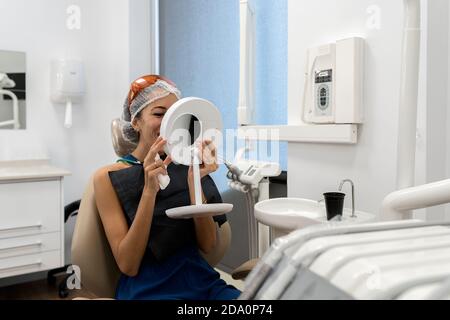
(208, 163)
(153, 168)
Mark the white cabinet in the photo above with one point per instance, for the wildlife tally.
(31, 217)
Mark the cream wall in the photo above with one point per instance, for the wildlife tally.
(113, 52)
(114, 44)
(39, 29)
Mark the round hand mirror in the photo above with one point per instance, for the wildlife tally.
(185, 125)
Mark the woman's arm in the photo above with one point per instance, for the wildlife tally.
(128, 245)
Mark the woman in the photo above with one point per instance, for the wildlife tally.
(159, 257)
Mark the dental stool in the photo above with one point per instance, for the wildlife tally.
(91, 252)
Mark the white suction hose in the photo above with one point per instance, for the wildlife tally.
(396, 204)
(407, 122)
(408, 95)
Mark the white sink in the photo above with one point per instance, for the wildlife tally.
(293, 213)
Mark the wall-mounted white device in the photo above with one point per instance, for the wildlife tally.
(334, 83)
(67, 84)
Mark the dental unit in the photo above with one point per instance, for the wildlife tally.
(252, 178)
(395, 258)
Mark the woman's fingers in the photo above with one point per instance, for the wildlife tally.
(159, 139)
(210, 146)
(168, 161)
(154, 150)
(158, 171)
(148, 157)
(155, 165)
(154, 170)
(209, 152)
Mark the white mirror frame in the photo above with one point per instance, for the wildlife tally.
(211, 125)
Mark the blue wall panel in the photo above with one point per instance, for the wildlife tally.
(200, 52)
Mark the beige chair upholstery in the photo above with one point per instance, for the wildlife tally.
(121, 145)
(91, 250)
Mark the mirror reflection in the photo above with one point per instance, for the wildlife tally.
(12, 90)
(185, 131)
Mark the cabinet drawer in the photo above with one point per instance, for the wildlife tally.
(30, 263)
(29, 245)
(30, 208)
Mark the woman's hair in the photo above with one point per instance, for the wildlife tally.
(143, 92)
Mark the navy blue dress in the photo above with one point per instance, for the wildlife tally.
(172, 267)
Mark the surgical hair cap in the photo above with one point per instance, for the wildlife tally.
(160, 89)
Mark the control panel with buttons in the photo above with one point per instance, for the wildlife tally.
(323, 89)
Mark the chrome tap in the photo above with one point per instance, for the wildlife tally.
(353, 194)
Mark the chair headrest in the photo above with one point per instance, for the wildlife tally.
(121, 145)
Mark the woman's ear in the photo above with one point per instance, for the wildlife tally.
(135, 125)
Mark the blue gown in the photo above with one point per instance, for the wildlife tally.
(182, 275)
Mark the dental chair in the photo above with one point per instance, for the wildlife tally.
(91, 252)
